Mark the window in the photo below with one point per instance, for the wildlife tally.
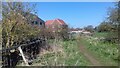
(36, 22)
(40, 23)
(33, 22)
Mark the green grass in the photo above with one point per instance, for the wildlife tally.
(100, 34)
(68, 56)
(107, 53)
(73, 52)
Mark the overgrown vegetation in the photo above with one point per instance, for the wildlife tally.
(58, 32)
(16, 27)
(62, 53)
(107, 53)
(111, 24)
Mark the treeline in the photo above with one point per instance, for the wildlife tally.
(111, 24)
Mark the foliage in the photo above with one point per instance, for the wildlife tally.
(89, 28)
(15, 24)
(113, 20)
(64, 33)
(48, 33)
(104, 27)
(63, 53)
(111, 25)
(100, 34)
(58, 32)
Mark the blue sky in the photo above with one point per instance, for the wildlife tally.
(75, 14)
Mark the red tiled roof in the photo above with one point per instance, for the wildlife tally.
(48, 22)
(61, 21)
(51, 21)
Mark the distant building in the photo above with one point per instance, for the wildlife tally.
(72, 30)
(55, 25)
(80, 31)
(34, 20)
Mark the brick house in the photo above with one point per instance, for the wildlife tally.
(57, 28)
(55, 25)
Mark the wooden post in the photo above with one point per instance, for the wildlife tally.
(22, 54)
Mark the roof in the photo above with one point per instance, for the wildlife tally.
(48, 22)
(33, 17)
(51, 21)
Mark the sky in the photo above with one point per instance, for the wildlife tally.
(75, 14)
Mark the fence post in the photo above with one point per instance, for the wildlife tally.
(22, 54)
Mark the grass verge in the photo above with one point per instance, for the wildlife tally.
(107, 53)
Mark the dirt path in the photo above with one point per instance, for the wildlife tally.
(89, 56)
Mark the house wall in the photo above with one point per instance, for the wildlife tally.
(34, 20)
(38, 22)
(55, 26)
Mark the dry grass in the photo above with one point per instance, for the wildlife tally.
(62, 53)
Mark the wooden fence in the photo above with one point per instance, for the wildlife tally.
(10, 56)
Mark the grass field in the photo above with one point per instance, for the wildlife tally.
(100, 34)
(107, 53)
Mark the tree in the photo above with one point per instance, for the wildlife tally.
(111, 24)
(15, 24)
(104, 27)
(89, 28)
(113, 19)
(64, 33)
(16, 28)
